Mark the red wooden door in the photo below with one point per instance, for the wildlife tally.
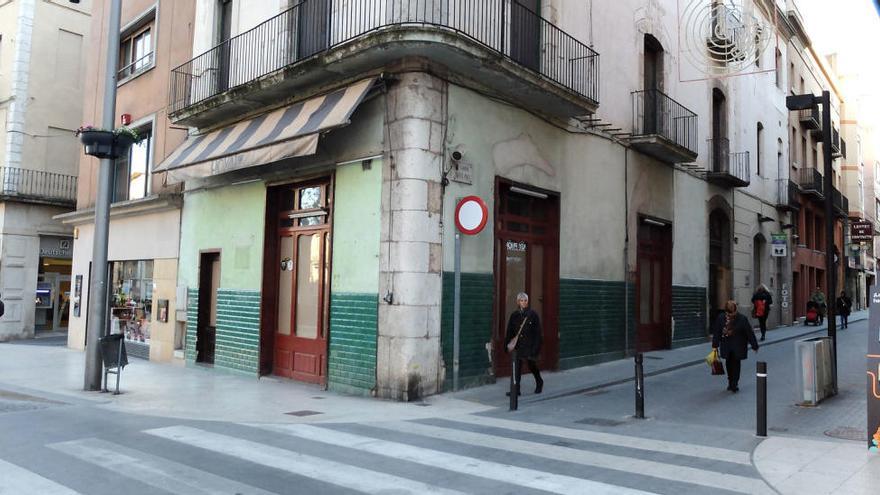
(654, 287)
(303, 283)
(526, 260)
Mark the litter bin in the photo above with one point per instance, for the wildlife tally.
(814, 370)
(114, 357)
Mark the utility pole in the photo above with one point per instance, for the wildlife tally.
(830, 265)
(97, 312)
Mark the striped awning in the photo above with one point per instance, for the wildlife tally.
(284, 133)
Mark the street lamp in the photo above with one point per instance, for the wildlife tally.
(97, 312)
(807, 102)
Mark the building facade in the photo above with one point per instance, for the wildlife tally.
(145, 213)
(42, 69)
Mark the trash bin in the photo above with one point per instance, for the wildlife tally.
(814, 370)
(114, 356)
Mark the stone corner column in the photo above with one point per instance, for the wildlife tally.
(409, 351)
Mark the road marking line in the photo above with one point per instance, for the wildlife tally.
(15, 480)
(515, 475)
(154, 471)
(651, 445)
(324, 470)
(672, 472)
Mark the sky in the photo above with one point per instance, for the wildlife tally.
(849, 28)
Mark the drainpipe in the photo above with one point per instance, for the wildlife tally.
(626, 249)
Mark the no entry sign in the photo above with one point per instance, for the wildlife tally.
(471, 215)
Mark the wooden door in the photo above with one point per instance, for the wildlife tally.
(302, 268)
(526, 260)
(654, 287)
(206, 326)
(525, 33)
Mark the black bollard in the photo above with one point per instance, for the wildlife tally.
(514, 386)
(762, 399)
(640, 387)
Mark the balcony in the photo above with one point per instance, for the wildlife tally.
(727, 169)
(788, 195)
(811, 118)
(36, 186)
(840, 203)
(835, 143)
(663, 128)
(811, 183)
(496, 44)
(843, 147)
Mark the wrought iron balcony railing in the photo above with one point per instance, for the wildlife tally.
(38, 186)
(728, 168)
(811, 118)
(655, 113)
(312, 27)
(811, 182)
(788, 195)
(840, 202)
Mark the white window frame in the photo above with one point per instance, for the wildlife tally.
(149, 17)
(149, 121)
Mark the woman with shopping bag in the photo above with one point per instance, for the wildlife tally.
(731, 336)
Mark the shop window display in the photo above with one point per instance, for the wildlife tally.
(132, 299)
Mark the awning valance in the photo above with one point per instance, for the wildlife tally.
(284, 133)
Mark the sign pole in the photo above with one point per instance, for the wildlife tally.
(456, 313)
(873, 364)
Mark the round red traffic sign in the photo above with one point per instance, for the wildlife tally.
(471, 215)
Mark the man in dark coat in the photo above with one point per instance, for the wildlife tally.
(733, 333)
(524, 325)
(844, 308)
(761, 302)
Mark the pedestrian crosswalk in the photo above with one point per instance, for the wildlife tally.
(465, 454)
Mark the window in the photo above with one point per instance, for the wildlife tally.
(760, 137)
(803, 86)
(131, 299)
(132, 172)
(136, 46)
(791, 76)
(779, 69)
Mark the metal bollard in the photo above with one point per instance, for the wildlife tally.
(514, 386)
(762, 399)
(640, 386)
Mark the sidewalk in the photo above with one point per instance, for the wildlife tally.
(591, 378)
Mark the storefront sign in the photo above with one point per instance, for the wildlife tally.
(861, 231)
(779, 245)
(785, 296)
(873, 376)
(56, 247)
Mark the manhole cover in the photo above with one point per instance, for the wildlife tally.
(600, 422)
(847, 433)
(302, 413)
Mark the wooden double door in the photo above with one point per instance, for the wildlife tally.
(526, 260)
(654, 286)
(297, 298)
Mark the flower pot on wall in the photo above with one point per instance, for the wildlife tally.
(122, 144)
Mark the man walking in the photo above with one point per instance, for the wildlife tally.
(844, 308)
(761, 302)
(524, 336)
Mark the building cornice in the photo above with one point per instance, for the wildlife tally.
(137, 207)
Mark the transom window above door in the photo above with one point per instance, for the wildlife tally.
(303, 206)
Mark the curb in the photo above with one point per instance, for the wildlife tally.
(675, 367)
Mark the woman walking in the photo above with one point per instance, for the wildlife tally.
(733, 334)
(524, 336)
(761, 302)
(844, 308)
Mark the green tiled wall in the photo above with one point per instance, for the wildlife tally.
(353, 329)
(238, 329)
(689, 311)
(591, 322)
(477, 300)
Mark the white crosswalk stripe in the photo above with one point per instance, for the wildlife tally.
(15, 480)
(516, 475)
(672, 472)
(154, 471)
(667, 447)
(352, 477)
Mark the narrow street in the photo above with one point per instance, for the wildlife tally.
(698, 438)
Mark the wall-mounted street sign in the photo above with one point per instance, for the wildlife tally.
(861, 230)
(471, 215)
(779, 245)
